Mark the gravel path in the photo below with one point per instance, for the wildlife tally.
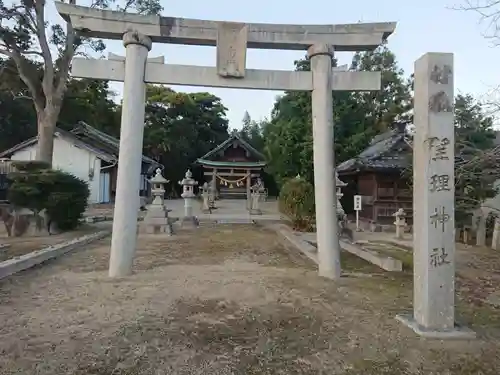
(221, 300)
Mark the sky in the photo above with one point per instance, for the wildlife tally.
(422, 26)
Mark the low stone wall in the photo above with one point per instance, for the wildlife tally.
(97, 219)
(14, 265)
(385, 262)
(288, 239)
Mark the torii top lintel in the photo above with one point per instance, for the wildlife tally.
(108, 24)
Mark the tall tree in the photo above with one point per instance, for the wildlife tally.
(180, 127)
(17, 115)
(90, 101)
(477, 158)
(26, 36)
(86, 100)
(252, 132)
(357, 117)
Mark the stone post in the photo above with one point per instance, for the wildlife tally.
(481, 230)
(188, 184)
(495, 241)
(206, 197)
(321, 56)
(124, 238)
(214, 183)
(433, 199)
(249, 190)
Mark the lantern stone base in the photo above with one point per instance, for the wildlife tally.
(157, 221)
(255, 211)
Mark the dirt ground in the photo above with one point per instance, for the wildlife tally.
(224, 300)
(19, 246)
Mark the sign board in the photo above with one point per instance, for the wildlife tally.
(357, 202)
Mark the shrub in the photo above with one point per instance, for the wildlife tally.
(62, 195)
(296, 200)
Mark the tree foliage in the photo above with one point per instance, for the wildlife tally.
(42, 54)
(253, 132)
(477, 158)
(181, 127)
(357, 117)
(86, 100)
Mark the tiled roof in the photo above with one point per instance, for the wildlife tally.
(103, 145)
(234, 136)
(387, 151)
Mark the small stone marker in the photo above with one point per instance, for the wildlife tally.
(495, 241)
(434, 201)
(481, 230)
(231, 49)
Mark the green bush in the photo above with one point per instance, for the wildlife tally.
(296, 200)
(62, 195)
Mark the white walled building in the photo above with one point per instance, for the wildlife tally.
(88, 154)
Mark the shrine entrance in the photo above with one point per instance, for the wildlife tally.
(232, 168)
(231, 39)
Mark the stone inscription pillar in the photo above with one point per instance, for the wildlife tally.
(324, 180)
(434, 199)
(124, 236)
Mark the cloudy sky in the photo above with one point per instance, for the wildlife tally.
(423, 26)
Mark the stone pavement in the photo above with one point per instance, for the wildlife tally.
(227, 210)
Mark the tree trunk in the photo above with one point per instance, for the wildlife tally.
(46, 129)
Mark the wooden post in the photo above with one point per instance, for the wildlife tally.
(214, 182)
(249, 179)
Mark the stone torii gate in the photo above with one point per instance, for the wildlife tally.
(232, 40)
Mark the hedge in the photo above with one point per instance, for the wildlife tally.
(296, 200)
(37, 187)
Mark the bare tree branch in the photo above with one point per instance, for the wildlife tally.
(489, 12)
(24, 69)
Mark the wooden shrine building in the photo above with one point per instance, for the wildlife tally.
(378, 175)
(233, 167)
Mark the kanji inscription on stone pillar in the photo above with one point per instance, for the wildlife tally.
(231, 49)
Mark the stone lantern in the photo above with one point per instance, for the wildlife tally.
(188, 184)
(156, 219)
(339, 184)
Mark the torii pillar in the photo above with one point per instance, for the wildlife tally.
(124, 237)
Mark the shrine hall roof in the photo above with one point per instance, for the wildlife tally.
(208, 161)
(387, 151)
